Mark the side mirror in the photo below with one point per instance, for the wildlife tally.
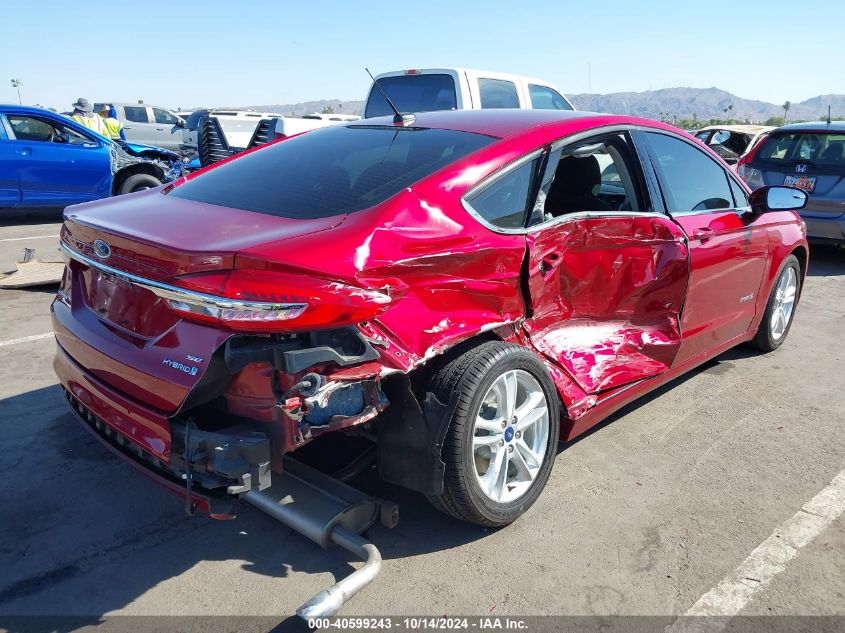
(777, 198)
(180, 122)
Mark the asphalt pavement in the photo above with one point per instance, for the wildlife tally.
(650, 513)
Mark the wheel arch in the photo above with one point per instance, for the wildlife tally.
(120, 177)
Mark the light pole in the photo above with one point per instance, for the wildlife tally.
(17, 83)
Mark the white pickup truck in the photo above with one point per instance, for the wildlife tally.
(424, 90)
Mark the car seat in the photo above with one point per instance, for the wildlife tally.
(576, 178)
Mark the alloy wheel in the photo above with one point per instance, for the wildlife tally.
(510, 436)
(784, 302)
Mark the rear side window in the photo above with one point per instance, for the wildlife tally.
(690, 180)
(163, 116)
(821, 149)
(544, 98)
(412, 93)
(504, 201)
(497, 93)
(330, 171)
(136, 114)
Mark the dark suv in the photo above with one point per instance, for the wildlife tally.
(810, 156)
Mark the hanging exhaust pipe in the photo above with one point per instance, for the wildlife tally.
(328, 512)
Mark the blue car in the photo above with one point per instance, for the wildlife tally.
(50, 160)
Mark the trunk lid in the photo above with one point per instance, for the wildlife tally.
(122, 332)
(160, 237)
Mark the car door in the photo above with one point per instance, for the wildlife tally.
(606, 276)
(728, 244)
(10, 192)
(57, 163)
(164, 122)
(138, 126)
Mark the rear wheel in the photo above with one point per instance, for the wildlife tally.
(139, 182)
(502, 438)
(781, 307)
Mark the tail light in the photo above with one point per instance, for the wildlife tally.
(752, 176)
(258, 300)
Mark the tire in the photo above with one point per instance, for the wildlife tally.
(771, 334)
(139, 182)
(478, 378)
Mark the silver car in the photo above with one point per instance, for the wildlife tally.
(146, 124)
(810, 156)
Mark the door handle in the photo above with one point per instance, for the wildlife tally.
(127, 127)
(549, 262)
(159, 129)
(702, 234)
(25, 151)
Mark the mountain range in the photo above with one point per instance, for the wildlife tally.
(681, 103)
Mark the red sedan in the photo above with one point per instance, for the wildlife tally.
(462, 289)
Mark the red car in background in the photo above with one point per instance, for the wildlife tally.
(463, 289)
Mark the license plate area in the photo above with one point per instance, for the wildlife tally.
(807, 183)
(127, 306)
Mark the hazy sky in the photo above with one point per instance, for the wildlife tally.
(187, 53)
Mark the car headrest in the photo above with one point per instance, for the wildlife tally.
(576, 175)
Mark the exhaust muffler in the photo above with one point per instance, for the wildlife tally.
(329, 512)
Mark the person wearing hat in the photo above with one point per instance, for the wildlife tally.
(114, 128)
(83, 113)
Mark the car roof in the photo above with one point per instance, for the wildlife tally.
(747, 129)
(14, 107)
(814, 126)
(500, 123)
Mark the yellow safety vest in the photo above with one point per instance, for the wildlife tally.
(112, 127)
(93, 123)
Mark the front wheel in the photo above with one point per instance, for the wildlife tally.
(139, 182)
(503, 435)
(780, 308)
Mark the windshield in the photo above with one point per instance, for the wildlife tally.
(331, 171)
(822, 149)
(412, 93)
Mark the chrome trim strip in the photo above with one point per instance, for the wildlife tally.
(166, 291)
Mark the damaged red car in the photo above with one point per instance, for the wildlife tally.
(457, 291)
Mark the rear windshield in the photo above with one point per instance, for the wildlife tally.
(330, 171)
(412, 93)
(820, 149)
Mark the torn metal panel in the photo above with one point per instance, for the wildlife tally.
(608, 294)
(169, 164)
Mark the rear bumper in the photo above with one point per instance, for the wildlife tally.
(124, 428)
(826, 228)
(216, 506)
(141, 426)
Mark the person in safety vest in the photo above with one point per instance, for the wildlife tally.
(114, 128)
(83, 113)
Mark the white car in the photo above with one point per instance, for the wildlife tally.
(732, 141)
(428, 89)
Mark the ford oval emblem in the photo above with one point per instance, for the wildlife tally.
(101, 249)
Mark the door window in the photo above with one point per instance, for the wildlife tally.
(164, 117)
(545, 98)
(136, 114)
(503, 201)
(690, 180)
(740, 197)
(27, 128)
(498, 93)
(598, 174)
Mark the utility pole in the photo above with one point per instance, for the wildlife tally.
(17, 83)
